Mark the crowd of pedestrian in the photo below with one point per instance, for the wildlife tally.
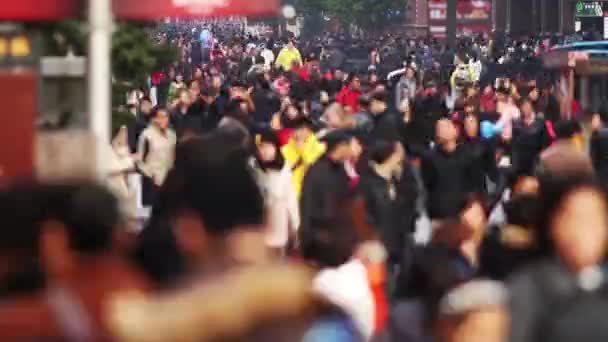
(438, 194)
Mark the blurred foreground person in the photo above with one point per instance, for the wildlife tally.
(83, 271)
(474, 312)
(331, 248)
(195, 228)
(573, 235)
(259, 304)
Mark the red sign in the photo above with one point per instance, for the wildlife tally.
(40, 10)
(472, 17)
(156, 9)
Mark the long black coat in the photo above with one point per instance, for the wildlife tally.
(392, 217)
(325, 187)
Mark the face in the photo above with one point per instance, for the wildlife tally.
(339, 75)
(446, 131)
(356, 84)
(216, 82)
(343, 151)
(267, 151)
(356, 148)
(185, 98)
(292, 112)
(534, 94)
(471, 126)
(475, 218)
(471, 92)
(198, 73)
(501, 97)
(409, 73)
(195, 90)
(487, 90)
(146, 107)
(527, 110)
(373, 78)
(161, 120)
(579, 229)
(172, 74)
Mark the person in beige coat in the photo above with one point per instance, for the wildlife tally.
(156, 150)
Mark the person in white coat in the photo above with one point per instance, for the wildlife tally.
(275, 179)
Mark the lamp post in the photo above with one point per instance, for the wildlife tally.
(100, 76)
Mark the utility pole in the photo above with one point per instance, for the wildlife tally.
(508, 26)
(451, 23)
(100, 75)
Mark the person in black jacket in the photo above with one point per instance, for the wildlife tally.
(445, 171)
(326, 183)
(386, 125)
(530, 137)
(599, 149)
(483, 153)
(391, 206)
(429, 107)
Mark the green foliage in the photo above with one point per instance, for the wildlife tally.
(367, 14)
(135, 55)
(121, 118)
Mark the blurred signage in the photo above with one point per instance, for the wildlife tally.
(158, 9)
(472, 17)
(589, 9)
(40, 10)
(16, 47)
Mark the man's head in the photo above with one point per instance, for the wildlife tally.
(378, 102)
(338, 145)
(354, 81)
(185, 97)
(145, 106)
(446, 131)
(160, 118)
(569, 130)
(213, 214)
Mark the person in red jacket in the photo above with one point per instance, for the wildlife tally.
(350, 93)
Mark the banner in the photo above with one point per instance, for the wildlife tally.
(472, 17)
(157, 9)
(40, 10)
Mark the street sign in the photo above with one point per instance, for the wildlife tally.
(159, 9)
(40, 10)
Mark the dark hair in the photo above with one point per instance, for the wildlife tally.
(381, 150)
(330, 242)
(89, 211)
(212, 177)
(279, 161)
(145, 98)
(157, 110)
(523, 210)
(566, 129)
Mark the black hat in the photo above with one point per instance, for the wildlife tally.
(335, 138)
(268, 136)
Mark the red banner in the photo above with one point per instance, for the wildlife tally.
(40, 10)
(156, 9)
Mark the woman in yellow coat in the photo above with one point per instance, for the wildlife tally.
(302, 150)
